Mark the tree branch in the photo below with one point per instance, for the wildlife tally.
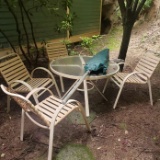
(139, 8)
(17, 28)
(32, 30)
(24, 27)
(122, 8)
(10, 43)
(135, 6)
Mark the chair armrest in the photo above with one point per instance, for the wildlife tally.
(35, 90)
(23, 83)
(20, 99)
(5, 90)
(133, 73)
(44, 69)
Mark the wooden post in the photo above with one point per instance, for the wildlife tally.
(68, 34)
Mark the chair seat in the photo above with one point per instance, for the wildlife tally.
(48, 108)
(35, 83)
(119, 77)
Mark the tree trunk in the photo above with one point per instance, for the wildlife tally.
(127, 30)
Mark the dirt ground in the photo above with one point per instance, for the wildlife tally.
(130, 132)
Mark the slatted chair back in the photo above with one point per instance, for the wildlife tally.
(12, 68)
(147, 65)
(56, 50)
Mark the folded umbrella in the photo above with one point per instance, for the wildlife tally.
(99, 62)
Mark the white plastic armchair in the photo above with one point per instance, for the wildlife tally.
(50, 110)
(13, 69)
(140, 75)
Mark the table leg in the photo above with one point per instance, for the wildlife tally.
(86, 98)
(107, 80)
(62, 84)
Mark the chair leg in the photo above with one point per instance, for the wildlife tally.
(8, 103)
(57, 89)
(51, 137)
(86, 98)
(105, 85)
(150, 92)
(84, 117)
(35, 98)
(117, 98)
(22, 125)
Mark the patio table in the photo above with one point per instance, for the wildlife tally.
(72, 67)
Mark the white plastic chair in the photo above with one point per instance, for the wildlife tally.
(18, 78)
(141, 75)
(51, 111)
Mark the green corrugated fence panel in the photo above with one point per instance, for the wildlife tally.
(43, 23)
(88, 19)
(88, 16)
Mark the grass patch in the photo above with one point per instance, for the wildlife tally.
(76, 117)
(113, 39)
(75, 152)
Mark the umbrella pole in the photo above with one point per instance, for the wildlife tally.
(74, 87)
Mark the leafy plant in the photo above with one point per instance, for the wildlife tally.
(123, 126)
(67, 23)
(72, 53)
(88, 42)
(68, 20)
(147, 4)
(69, 48)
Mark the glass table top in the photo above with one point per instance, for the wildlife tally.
(73, 67)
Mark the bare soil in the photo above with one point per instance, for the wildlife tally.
(130, 132)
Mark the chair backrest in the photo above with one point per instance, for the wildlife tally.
(56, 50)
(12, 68)
(147, 64)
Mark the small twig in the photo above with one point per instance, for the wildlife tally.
(104, 136)
(144, 149)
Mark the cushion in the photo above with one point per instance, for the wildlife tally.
(99, 62)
